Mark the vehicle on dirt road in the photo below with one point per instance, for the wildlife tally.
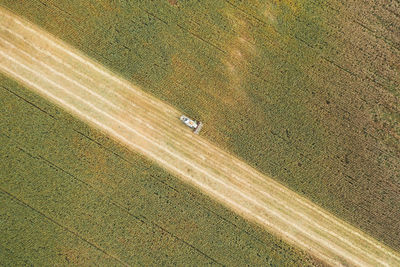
(192, 124)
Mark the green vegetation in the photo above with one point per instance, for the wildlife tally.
(303, 90)
(70, 195)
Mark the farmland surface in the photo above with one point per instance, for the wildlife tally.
(149, 126)
(70, 195)
(304, 91)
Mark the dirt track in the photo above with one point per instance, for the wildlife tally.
(149, 126)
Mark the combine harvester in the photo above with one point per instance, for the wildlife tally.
(192, 124)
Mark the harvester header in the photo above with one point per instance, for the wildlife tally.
(192, 124)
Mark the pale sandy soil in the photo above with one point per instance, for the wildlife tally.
(152, 128)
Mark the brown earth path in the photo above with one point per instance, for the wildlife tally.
(151, 127)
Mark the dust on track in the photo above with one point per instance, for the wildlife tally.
(151, 127)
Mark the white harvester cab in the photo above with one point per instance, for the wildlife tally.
(192, 124)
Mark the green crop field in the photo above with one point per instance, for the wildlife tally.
(70, 195)
(305, 91)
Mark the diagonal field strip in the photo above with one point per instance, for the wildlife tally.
(149, 126)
